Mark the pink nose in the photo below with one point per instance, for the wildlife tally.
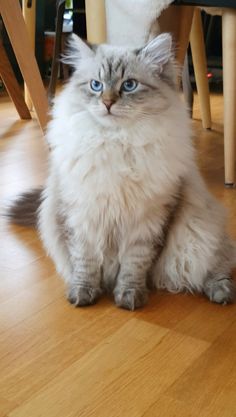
(108, 103)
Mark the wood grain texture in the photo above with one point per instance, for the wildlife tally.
(175, 357)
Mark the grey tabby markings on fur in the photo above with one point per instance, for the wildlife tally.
(130, 283)
(220, 290)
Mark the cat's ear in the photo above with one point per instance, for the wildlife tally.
(76, 50)
(158, 51)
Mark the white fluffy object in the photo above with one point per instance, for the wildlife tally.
(129, 21)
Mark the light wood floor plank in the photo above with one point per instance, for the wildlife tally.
(119, 366)
(217, 367)
(6, 407)
(168, 407)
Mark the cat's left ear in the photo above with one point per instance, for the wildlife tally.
(77, 50)
(158, 51)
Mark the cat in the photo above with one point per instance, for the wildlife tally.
(124, 206)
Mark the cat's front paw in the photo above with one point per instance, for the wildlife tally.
(130, 298)
(82, 296)
(221, 291)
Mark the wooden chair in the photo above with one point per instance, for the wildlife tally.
(229, 77)
(15, 25)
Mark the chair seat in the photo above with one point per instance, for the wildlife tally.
(207, 3)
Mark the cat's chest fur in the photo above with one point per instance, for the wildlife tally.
(112, 173)
(111, 186)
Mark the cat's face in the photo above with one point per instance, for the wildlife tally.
(118, 85)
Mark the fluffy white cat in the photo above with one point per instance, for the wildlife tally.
(124, 204)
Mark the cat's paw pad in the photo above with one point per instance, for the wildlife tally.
(222, 291)
(130, 298)
(82, 296)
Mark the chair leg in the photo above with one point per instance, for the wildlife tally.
(178, 21)
(29, 14)
(187, 88)
(9, 80)
(95, 21)
(56, 51)
(200, 67)
(229, 83)
(17, 31)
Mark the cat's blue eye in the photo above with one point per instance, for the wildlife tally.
(96, 85)
(129, 85)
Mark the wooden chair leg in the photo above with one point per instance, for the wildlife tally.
(200, 67)
(95, 21)
(17, 31)
(29, 14)
(10, 82)
(178, 21)
(229, 83)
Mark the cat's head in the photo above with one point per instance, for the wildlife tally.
(120, 85)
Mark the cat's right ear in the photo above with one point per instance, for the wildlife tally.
(158, 51)
(76, 50)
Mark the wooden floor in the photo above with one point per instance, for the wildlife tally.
(174, 358)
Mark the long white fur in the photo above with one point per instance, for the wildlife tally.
(136, 168)
(129, 22)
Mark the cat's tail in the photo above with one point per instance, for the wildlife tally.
(24, 209)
